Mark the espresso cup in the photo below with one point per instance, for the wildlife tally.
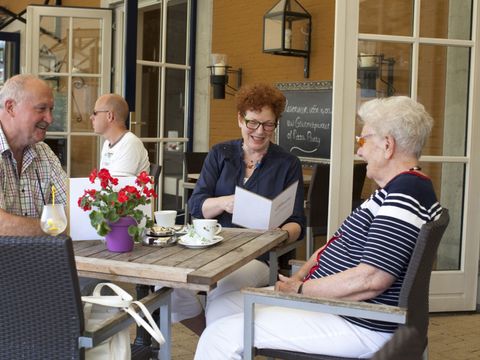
(165, 218)
(207, 228)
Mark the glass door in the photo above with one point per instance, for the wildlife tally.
(71, 49)
(428, 50)
(162, 88)
(9, 55)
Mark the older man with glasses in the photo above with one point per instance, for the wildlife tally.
(123, 153)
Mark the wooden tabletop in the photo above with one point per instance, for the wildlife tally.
(176, 266)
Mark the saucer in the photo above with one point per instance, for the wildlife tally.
(197, 242)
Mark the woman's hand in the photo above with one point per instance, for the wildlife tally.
(213, 207)
(287, 285)
(228, 202)
(293, 229)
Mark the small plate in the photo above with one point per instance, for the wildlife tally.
(159, 241)
(198, 242)
(160, 231)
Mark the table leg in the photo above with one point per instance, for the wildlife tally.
(273, 264)
(164, 323)
(166, 328)
(143, 338)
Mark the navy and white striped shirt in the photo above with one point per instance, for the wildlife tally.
(382, 232)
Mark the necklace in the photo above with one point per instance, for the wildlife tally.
(415, 168)
(251, 164)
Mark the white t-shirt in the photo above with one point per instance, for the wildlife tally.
(128, 157)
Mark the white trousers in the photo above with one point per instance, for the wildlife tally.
(225, 299)
(289, 329)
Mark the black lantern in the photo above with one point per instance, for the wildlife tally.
(286, 31)
(219, 71)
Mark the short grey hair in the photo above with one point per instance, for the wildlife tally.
(404, 119)
(15, 88)
(118, 105)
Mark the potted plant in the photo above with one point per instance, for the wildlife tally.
(112, 208)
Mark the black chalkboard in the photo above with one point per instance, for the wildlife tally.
(305, 126)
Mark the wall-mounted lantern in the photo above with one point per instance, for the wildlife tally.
(286, 31)
(372, 67)
(219, 71)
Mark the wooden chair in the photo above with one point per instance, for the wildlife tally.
(155, 170)
(42, 312)
(316, 207)
(193, 165)
(411, 311)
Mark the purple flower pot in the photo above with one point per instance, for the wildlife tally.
(118, 240)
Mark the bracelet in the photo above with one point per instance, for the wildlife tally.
(300, 289)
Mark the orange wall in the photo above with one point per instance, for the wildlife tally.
(237, 32)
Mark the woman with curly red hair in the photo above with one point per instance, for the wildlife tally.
(255, 163)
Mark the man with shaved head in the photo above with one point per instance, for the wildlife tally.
(123, 153)
(28, 166)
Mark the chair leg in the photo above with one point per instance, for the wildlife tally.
(309, 242)
(425, 354)
(248, 348)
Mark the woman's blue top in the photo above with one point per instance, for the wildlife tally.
(224, 169)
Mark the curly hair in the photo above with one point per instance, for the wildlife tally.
(256, 96)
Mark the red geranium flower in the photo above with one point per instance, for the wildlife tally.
(110, 204)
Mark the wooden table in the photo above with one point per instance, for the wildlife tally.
(176, 266)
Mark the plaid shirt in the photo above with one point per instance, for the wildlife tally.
(22, 195)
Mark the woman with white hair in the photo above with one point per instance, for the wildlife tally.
(367, 257)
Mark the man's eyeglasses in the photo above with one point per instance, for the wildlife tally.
(255, 124)
(95, 112)
(361, 140)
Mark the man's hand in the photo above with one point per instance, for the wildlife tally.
(287, 285)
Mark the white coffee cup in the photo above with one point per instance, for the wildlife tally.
(165, 218)
(207, 228)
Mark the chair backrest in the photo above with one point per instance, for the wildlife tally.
(154, 172)
(318, 192)
(194, 162)
(316, 210)
(41, 313)
(415, 288)
(359, 173)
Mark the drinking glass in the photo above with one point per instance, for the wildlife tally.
(53, 220)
